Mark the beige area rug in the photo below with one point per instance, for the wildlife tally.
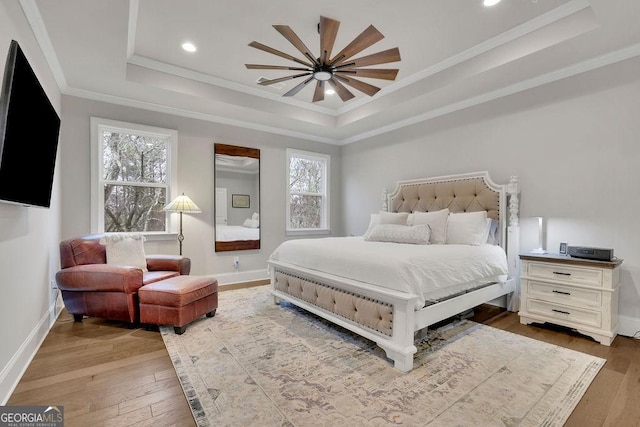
(259, 364)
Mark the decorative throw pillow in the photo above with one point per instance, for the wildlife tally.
(125, 249)
(250, 223)
(399, 218)
(396, 233)
(437, 221)
(493, 238)
(468, 228)
(373, 221)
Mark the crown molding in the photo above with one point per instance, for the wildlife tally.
(145, 105)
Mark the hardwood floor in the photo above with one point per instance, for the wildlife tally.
(105, 374)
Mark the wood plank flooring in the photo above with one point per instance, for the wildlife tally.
(105, 374)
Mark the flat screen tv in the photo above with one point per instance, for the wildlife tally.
(29, 129)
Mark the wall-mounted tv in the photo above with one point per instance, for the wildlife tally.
(29, 129)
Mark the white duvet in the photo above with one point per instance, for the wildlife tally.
(428, 271)
(229, 233)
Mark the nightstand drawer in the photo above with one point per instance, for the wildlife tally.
(582, 275)
(587, 298)
(558, 312)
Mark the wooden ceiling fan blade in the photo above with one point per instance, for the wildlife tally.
(298, 87)
(275, 67)
(390, 55)
(293, 38)
(282, 79)
(360, 85)
(342, 91)
(367, 38)
(318, 94)
(268, 49)
(373, 73)
(328, 32)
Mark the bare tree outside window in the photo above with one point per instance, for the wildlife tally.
(135, 182)
(307, 188)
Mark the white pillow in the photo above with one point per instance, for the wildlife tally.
(396, 233)
(382, 217)
(373, 221)
(251, 223)
(468, 228)
(125, 249)
(437, 221)
(399, 218)
(255, 216)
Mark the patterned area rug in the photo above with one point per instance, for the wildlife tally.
(259, 364)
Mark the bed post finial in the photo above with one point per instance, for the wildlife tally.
(385, 200)
(514, 204)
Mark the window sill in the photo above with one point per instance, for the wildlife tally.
(308, 232)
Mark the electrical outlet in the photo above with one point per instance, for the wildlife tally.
(236, 262)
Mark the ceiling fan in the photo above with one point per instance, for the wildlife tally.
(339, 69)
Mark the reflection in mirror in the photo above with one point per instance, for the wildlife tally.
(237, 199)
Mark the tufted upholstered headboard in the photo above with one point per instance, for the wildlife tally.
(468, 192)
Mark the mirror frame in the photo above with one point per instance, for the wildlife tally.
(233, 150)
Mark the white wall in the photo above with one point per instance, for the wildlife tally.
(28, 236)
(575, 146)
(196, 140)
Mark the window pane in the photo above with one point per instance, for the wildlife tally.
(134, 208)
(306, 175)
(134, 158)
(305, 211)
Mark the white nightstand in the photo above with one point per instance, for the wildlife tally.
(576, 293)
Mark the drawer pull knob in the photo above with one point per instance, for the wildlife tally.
(560, 311)
(561, 273)
(561, 292)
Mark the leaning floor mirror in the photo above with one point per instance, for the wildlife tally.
(237, 199)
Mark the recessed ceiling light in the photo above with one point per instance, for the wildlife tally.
(189, 47)
(329, 92)
(491, 2)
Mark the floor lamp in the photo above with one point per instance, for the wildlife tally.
(182, 204)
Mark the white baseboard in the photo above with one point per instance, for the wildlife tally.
(241, 276)
(628, 326)
(14, 370)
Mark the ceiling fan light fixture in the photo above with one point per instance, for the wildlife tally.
(322, 76)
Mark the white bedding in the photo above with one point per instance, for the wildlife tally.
(230, 233)
(428, 271)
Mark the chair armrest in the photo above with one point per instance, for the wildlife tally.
(169, 263)
(100, 278)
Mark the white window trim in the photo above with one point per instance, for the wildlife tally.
(325, 228)
(97, 203)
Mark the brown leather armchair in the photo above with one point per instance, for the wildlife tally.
(92, 287)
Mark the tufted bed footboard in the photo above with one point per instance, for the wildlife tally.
(384, 316)
(366, 312)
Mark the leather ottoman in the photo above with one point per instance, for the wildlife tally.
(178, 301)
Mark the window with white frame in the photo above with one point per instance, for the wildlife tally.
(307, 192)
(133, 176)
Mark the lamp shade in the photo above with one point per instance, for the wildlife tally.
(182, 204)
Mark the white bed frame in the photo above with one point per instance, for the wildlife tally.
(407, 321)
